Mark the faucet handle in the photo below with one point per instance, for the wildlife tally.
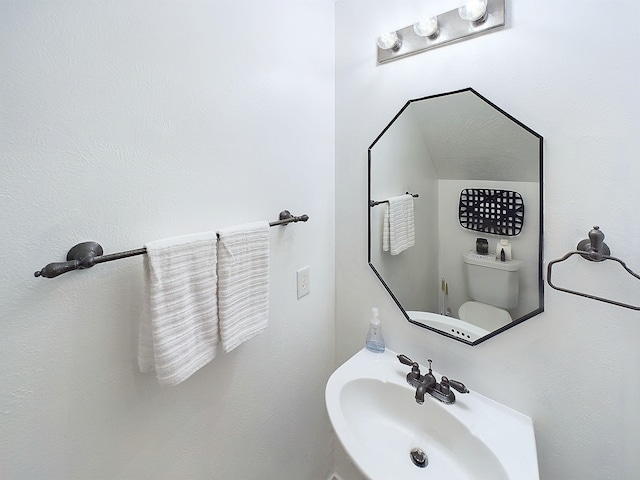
(414, 377)
(415, 368)
(405, 360)
(444, 385)
(458, 386)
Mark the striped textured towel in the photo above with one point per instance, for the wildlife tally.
(398, 228)
(180, 334)
(243, 282)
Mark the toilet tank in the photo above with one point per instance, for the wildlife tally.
(491, 281)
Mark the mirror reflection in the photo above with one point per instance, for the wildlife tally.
(455, 215)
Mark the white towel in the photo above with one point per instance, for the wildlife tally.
(398, 227)
(180, 334)
(243, 282)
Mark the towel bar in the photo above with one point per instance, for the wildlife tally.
(88, 254)
(373, 203)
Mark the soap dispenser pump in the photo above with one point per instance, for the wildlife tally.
(375, 340)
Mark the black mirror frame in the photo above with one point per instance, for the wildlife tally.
(521, 319)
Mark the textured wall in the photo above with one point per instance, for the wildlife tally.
(125, 122)
(572, 75)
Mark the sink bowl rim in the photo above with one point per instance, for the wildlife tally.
(477, 413)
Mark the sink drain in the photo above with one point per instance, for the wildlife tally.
(419, 458)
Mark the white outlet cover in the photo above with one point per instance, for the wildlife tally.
(303, 278)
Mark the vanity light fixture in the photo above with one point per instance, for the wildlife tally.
(474, 11)
(473, 18)
(389, 41)
(427, 27)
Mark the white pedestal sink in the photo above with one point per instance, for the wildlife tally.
(374, 414)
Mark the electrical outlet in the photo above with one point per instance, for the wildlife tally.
(304, 282)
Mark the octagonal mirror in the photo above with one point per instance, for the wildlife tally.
(455, 215)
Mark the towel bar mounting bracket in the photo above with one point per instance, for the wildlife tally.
(82, 255)
(85, 250)
(594, 247)
(285, 217)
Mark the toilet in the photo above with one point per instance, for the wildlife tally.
(493, 286)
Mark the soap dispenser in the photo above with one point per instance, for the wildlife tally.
(375, 340)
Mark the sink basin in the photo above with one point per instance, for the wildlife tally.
(374, 414)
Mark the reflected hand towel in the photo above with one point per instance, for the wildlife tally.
(398, 228)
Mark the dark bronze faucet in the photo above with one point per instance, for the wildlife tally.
(428, 384)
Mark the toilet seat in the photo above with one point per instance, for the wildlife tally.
(485, 316)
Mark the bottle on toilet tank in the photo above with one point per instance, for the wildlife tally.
(503, 246)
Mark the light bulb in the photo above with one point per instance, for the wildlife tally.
(388, 41)
(473, 11)
(426, 27)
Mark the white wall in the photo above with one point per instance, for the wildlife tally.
(572, 75)
(125, 122)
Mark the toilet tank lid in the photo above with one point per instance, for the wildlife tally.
(473, 258)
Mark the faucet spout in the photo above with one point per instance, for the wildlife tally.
(425, 387)
(420, 391)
